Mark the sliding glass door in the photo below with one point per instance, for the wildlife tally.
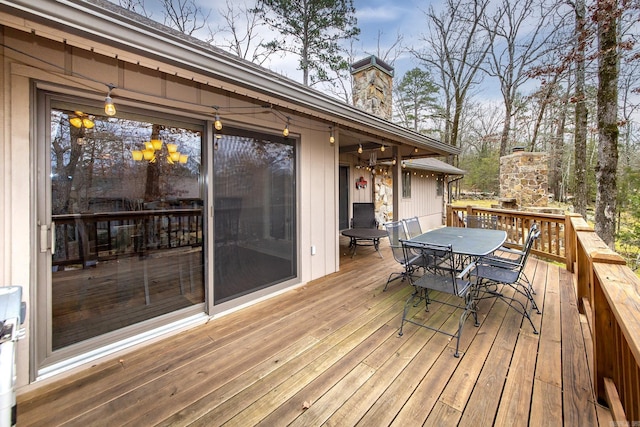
(121, 224)
(254, 212)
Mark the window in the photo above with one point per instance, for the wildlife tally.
(406, 185)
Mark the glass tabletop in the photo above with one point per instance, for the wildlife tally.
(474, 242)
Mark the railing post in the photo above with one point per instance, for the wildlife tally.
(449, 214)
(584, 242)
(605, 327)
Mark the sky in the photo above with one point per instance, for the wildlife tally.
(405, 17)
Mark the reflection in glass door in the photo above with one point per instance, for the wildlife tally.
(126, 206)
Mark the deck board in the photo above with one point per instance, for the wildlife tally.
(328, 353)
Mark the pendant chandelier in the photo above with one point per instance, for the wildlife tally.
(154, 149)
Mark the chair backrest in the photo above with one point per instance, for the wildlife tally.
(413, 227)
(482, 221)
(522, 259)
(533, 236)
(396, 233)
(439, 273)
(364, 216)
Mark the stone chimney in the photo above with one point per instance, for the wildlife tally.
(524, 179)
(372, 86)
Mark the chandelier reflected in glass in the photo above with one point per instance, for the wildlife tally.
(153, 150)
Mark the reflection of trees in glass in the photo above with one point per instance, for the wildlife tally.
(92, 169)
(255, 160)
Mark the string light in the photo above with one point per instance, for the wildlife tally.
(217, 124)
(359, 148)
(109, 108)
(331, 138)
(285, 131)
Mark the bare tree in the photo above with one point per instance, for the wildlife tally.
(136, 6)
(581, 113)
(241, 33)
(184, 15)
(456, 46)
(392, 52)
(521, 36)
(483, 134)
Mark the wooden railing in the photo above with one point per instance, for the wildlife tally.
(83, 239)
(607, 292)
(551, 243)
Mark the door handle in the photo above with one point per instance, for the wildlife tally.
(47, 233)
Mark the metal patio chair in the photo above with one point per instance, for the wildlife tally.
(440, 278)
(409, 262)
(413, 227)
(513, 256)
(364, 216)
(491, 275)
(481, 221)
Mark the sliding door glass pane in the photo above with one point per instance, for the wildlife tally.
(255, 213)
(129, 233)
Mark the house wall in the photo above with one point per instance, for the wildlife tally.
(58, 66)
(424, 202)
(357, 195)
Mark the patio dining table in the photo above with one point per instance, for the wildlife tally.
(470, 243)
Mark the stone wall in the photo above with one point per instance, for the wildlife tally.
(524, 178)
(383, 197)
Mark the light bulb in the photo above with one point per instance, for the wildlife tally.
(217, 124)
(360, 148)
(109, 108)
(285, 132)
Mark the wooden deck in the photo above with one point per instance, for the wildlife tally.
(329, 353)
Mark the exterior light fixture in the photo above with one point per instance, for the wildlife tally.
(109, 107)
(217, 124)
